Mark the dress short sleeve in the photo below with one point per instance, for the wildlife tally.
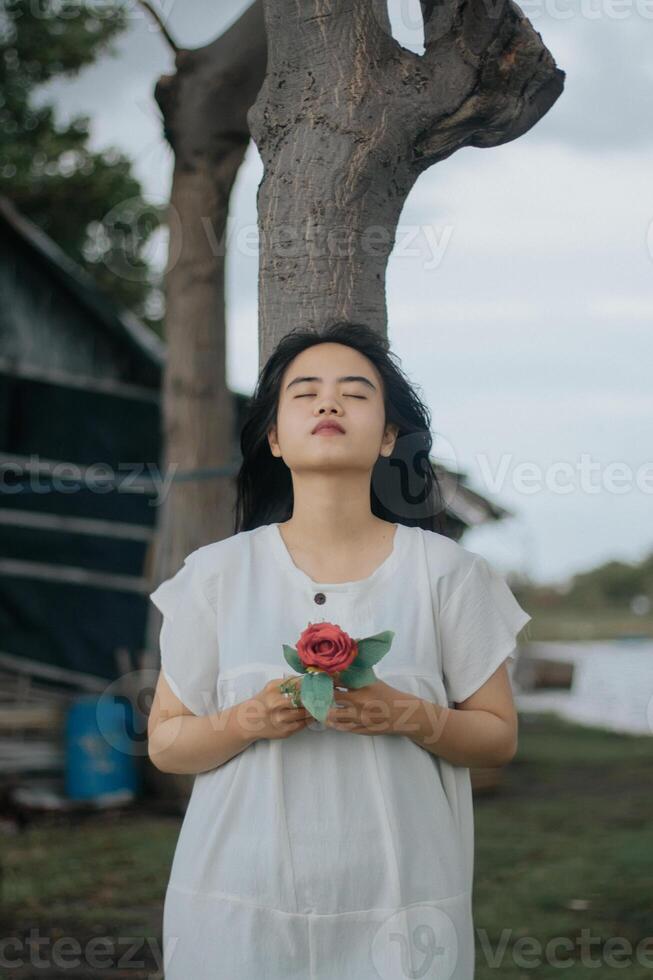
(479, 623)
(189, 637)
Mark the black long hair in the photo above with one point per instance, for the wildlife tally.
(404, 487)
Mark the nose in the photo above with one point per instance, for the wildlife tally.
(328, 405)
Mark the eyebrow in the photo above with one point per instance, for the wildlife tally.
(346, 377)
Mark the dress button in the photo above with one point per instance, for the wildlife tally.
(319, 598)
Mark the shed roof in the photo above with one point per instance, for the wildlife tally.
(106, 313)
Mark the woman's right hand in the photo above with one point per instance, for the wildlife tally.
(276, 717)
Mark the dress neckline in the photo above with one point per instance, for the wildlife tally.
(386, 567)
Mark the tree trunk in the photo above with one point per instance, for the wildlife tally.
(347, 119)
(204, 107)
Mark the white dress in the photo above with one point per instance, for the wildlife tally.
(327, 855)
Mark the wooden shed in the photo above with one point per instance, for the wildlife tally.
(80, 449)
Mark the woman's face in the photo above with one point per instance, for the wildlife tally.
(331, 381)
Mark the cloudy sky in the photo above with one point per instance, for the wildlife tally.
(520, 291)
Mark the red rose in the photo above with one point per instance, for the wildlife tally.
(326, 646)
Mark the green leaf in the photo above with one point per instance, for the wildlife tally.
(357, 677)
(317, 694)
(292, 658)
(371, 649)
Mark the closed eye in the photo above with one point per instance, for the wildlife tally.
(312, 395)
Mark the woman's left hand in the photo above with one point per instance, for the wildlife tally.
(369, 710)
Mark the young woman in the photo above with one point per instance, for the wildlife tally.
(340, 850)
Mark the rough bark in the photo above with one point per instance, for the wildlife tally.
(347, 119)
(204, 106)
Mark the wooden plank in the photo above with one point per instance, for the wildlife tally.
(125, 481)
(103, 386)
(15, 688)
(35, 668)
(16, 756)
(76, 525)
(39, 717)
(72, 575)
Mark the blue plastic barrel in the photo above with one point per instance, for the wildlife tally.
(100, 756)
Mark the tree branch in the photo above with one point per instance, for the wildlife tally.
(156, 16)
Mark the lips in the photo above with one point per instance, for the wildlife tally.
(335, 426)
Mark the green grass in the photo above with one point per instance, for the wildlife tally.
(578, 624)
(103, 876)
(571, 822)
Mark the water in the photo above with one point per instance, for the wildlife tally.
(612, 686)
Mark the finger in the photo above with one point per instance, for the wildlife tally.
(343, 726)
(286, 722)
(301, 713)
(303, 719)
(289, 708)
(297, 714)
(337, 715)
(276, 682)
